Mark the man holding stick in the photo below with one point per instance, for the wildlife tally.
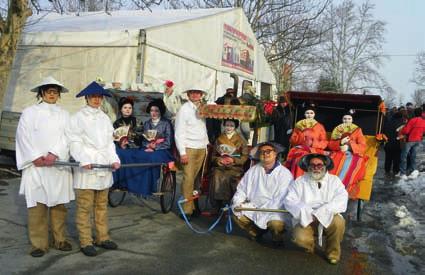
(263, 186)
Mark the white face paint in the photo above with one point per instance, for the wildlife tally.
(309, 114)
(347, 119)
(229, 127)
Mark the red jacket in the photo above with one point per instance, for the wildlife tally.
(414, 129)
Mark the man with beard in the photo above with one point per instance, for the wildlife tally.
(263, 186)
(315, 201)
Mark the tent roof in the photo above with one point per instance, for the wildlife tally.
(114, 20)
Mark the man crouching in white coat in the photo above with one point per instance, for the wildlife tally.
(263, 186)
(91, 142)
(315, 201)
(40, 140)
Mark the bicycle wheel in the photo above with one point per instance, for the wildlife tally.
(168, 191)
(116, 197)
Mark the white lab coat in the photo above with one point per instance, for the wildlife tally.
(305, 200)
(41, 130)
(91, 142)
(260, 190)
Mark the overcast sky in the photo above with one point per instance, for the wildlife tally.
(405, 37)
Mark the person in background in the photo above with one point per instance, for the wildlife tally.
(392, 147)
(410, 110)
(264, 185)
(91, 142)
(191, 141)
(40, 141)
(316, 201)
(414, 131)
(281, 120)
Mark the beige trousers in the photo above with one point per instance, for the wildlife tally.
(190, 171)
(304, 237)
(275, 227)
(38, 225)
(89, 201)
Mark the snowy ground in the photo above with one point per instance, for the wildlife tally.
(392, 230)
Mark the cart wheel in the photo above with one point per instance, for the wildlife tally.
(168, 190)
(359, 209)
(116, 197)
(202, 204)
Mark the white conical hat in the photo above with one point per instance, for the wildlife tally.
(49, 80)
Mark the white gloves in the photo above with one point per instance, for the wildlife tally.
(289, 132)
(344, 148)
(345, 140)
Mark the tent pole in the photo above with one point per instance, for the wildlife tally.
(141, 52)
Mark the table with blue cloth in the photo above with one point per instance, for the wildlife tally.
(140, 180)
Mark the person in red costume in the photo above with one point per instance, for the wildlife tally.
(309, 136)
(348, 146)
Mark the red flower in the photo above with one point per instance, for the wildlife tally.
(269, 106)
(169, 83)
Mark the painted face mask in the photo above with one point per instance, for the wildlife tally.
(347, 119)
(229, 127)
(309, 114)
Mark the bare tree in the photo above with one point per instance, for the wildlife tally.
(12, 19)
(419, 96)
(390, 96)
(351, 54)
(419, 75)
(287, 30)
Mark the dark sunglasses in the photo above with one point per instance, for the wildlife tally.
(316, 166)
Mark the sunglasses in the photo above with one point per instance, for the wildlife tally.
(266, 152)
(316, 166)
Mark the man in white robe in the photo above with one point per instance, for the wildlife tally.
(40, 140)
(263, 186)
(315, 201)
(91, 142)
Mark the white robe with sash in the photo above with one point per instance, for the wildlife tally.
(260, 190)
(91, 142)
(41, 130)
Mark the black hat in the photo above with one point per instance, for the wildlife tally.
(349, 112)
(158, 103)
(305, 161)
(125, 100)
(254, 151)
(234, 120)
(282, 99)
(309, 106)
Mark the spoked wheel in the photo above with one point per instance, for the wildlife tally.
(116, 197)
(167, 190)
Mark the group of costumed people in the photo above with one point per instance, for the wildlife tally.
(346, 147)
(315, 200)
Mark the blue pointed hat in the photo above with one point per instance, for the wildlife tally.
(93, 89)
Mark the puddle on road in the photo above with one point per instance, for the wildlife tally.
(391, 236)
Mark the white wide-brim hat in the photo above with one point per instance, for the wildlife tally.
(49, 80)
(195, 90)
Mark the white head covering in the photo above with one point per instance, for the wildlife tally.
(49, 80)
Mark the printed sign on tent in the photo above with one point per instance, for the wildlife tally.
(238, 50)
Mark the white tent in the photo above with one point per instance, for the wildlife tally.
(194, 48)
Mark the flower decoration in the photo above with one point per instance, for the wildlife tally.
(168, 83)
(381, 137)
(269, 105)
